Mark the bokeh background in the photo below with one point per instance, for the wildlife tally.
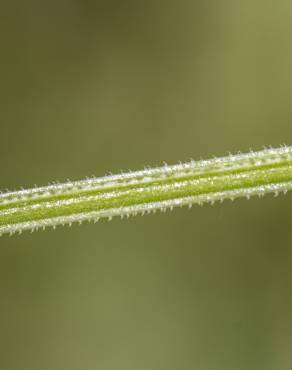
(91, 87)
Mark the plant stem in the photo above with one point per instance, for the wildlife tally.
(196, 182)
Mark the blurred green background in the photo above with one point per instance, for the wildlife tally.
(88, 87)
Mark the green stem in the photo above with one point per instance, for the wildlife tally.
(196, 182)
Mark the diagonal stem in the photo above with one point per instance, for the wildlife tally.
(196, 182)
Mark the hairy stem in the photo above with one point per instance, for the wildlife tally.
(196, 182)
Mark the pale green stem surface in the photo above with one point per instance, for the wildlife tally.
(196, 182)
